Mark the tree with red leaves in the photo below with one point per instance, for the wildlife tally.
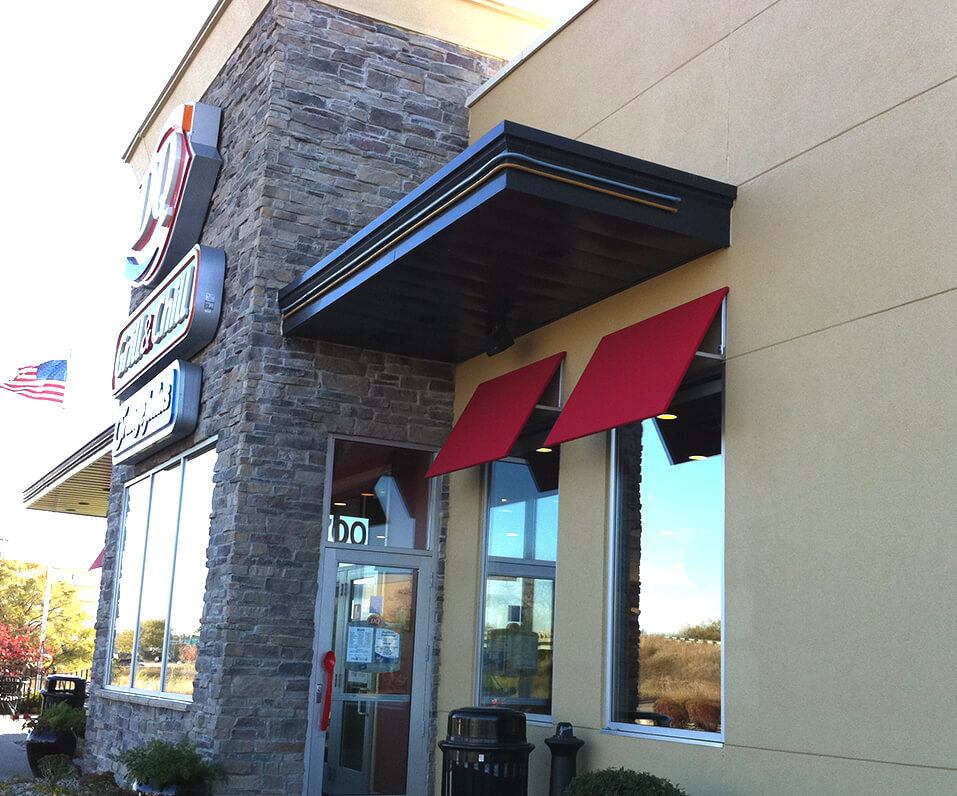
(68, 643)
(19, 651)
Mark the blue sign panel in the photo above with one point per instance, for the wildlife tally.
(165, 410)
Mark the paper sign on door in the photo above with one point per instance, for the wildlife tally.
(359, 648)
(387, 644)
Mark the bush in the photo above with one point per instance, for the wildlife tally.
(30, 704)
(59, 718)
(163, 764)
(57, 769)
(709, 630)
(621, 782)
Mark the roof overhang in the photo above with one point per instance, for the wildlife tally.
(525, 228)
(80, 484)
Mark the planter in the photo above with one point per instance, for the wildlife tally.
(43, 744)
(179, 789)
(145, 787)
(158, 761)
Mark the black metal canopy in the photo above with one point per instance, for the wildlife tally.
(523, 228)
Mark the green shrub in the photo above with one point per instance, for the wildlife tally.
(163, 764)
(621, 782)
(59, 718)
(57, 769)
(709, 630)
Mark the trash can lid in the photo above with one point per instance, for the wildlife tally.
(65, 678)
(477, 726)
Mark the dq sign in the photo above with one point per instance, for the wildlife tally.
(175, 192)
(177, 320)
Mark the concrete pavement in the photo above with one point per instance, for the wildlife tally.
(13, 755)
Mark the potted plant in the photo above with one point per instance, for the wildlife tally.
(54, 732)
(161, 767)
(621, 782)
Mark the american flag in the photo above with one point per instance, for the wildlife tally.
(43, 382)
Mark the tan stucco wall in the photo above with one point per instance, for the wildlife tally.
(487, 27)
(836, 122)
(221, 34)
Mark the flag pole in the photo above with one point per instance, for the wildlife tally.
(43, 626)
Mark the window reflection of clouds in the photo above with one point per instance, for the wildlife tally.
(131, 569)
(130, 576)
(159, 545)
(504, 592)
(681, 540)
(190, 586)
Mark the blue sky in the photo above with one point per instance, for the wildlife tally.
(682, 515)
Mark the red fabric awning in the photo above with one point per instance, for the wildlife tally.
(636, 371)
(98, 564)
(494, 417)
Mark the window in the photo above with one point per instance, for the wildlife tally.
(521, 549)
(158, 601)
(667, 566)
(380, 496)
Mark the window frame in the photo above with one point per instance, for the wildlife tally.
(177, 461)
(433, 516)
(698, 737)
(535, 569)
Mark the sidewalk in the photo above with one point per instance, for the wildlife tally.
(13, 755)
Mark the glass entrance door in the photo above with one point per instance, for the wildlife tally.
(370, 733)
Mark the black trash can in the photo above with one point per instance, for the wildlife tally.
(64, 688)
(485, 753)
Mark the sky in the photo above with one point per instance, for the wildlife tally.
(77, 84)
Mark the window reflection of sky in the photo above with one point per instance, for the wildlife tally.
(132, 568)
(507, 531)
(546, 529)
(190, 585)
(517, 508)
(682, 518)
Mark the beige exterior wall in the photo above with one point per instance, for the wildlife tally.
(487, 27)
(836, 122)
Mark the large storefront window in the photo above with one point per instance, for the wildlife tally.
(668, 564)
(522, 544)
(162, 579)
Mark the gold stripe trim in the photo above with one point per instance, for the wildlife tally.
(309, 298)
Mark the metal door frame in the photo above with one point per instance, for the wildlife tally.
(424, 561)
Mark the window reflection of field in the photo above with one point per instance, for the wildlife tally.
(683, 673)
(179, 676)
(509, 682)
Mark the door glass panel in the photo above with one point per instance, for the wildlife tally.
(380, 496)
(373, 637)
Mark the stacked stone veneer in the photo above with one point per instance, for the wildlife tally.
(328, 119)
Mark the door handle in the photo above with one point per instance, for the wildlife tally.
(329, 664)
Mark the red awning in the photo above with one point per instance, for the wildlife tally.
(635, 372)
(494, 417)
(98, 564)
